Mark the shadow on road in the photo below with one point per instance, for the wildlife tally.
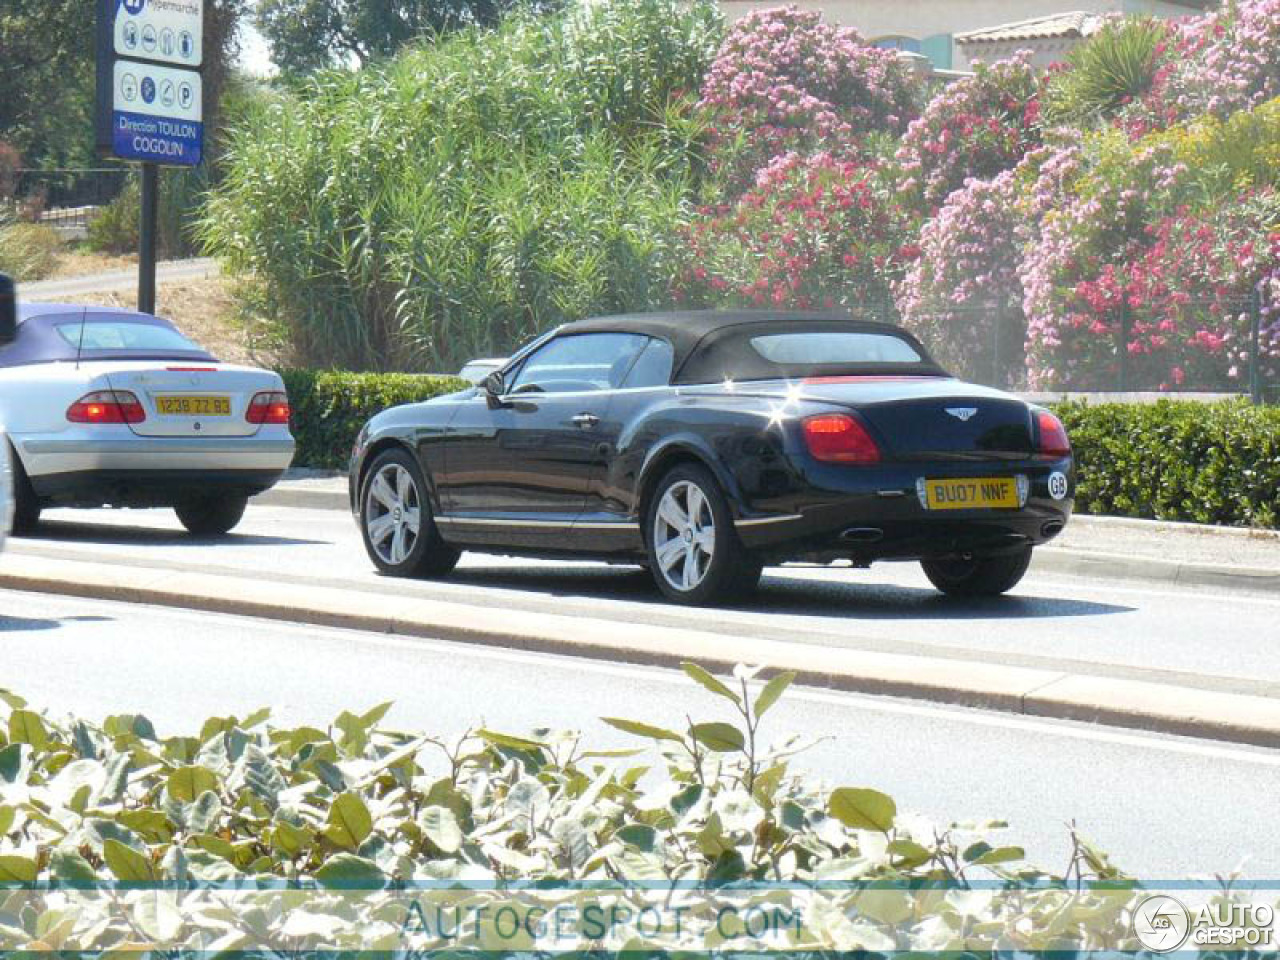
(790, 596)
(26, 624)
(63, 531)
(891, 601)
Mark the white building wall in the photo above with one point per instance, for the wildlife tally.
(920, 19)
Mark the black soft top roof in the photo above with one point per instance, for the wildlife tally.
(38, 339)
(713, 345)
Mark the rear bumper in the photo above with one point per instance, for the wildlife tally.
(148, 488)
(879, 516)
(96, 449)
(98, 467)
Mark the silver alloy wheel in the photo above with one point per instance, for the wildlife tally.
(684, 535)
(393, 513)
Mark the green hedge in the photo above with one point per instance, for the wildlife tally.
(1178, 460)
(329, 408)
(1172, 460)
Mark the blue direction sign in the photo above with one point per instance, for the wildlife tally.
(157, 114)
(150, 98)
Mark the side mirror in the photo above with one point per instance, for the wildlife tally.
(8, 310)
(495, 385)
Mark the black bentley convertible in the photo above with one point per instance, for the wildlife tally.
(707, 445)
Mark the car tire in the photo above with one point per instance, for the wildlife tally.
(394, 491)
(695, 556)
(26, 505)
(977, 576)
(211, 516)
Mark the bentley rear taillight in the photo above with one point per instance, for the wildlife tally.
(272, 407)
(839, 438)
(1053, 436)
(107, 406)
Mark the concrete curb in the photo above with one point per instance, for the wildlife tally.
(1182, 528)
(305, 496)
(1238, 718)
(1118, 566)
(321, 495)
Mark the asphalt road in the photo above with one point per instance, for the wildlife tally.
(1164, 807)
(1196, 638)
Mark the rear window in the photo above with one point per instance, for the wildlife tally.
(113, 335)
(834, 347)
(795, 349)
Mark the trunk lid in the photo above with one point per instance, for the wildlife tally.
(185, 399)
(960, 427)
(920, 417)
(935, 418)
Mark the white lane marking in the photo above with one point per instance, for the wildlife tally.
(974, 716)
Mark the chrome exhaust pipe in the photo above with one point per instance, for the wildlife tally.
(863, 535)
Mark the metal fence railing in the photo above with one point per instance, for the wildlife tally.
(70, 188)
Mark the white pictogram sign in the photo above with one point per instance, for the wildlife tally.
(166, 30)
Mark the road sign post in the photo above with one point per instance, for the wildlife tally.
(150, 104)
(147, 238)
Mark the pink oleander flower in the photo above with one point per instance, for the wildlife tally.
(814, 229)
(784, 81)
(974, 127)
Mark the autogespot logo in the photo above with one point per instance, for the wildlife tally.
(1161, 923)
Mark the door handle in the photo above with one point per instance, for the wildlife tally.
(586, 421)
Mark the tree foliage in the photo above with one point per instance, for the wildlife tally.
(309, 35)
(46, 75)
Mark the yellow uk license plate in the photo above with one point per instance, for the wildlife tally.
(971, 494)
(191, 406)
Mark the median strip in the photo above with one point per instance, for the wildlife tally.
(1130, 703)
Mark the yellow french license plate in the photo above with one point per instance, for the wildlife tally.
(971, 494)
(191, 406)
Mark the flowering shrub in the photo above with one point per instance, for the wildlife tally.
(1226, 156)
(784, 81)
(814, 232)
(974, 128)
(1127, 282)
(1225, 61)
(963, 291)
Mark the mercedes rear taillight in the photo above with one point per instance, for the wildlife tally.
(272, 407)
(839, 438)
(107, 406)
